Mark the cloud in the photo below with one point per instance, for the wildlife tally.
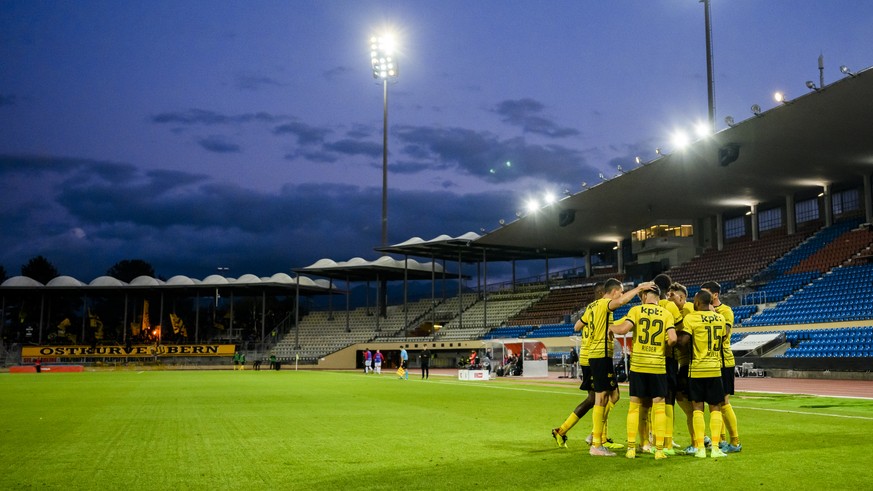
(355, 147)
(206, 117)
(306, 134)
(525, 113)
(485, 155)
(218, 144)
(7, 100)
(85, 215)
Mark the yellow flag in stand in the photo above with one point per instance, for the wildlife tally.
(401, 372)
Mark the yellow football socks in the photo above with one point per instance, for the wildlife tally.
(730, 423)
(597, 418)
(571, 421)
(633, 423)
(699, 428)
(659, 423)
(715, 426)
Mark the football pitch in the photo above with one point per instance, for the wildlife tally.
(250, 430)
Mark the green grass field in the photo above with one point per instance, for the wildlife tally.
(343, 430)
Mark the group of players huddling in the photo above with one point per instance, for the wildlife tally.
(681, 356)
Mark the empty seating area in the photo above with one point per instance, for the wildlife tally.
(837, 251)
(839, 296)
(553, 307)
(552, 331)
(841, 342)
(508, 332)
(738, 261)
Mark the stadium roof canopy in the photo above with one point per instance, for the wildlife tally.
(820, 138)
(278, 283)
(383, 268)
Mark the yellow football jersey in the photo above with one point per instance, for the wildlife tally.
(584, 334)
(600, 339)
(683, 355)
(651, 323)
(707, 331)
(728, 355)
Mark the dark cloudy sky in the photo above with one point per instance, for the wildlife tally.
(248, 135)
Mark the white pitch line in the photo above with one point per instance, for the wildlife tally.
(520, 389)
(866, 418)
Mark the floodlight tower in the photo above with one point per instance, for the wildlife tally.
(384, 65)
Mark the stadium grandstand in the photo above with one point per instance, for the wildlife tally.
(777, 208)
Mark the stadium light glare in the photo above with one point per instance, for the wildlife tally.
(638, 160)
(680, 140)
(532, 206)
(779, 97)
(702, 129)
(549, 198)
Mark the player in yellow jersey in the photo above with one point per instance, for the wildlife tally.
(727, 371)
(707, 329)
(653, 334)
(678, 294)
(581, 326)
(600, 351)
(664, 281)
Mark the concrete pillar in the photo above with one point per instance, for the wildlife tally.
(828, 206)
(790, 215)
(754, 222)
(719, 231)
(868, 199)
(588, 263)
(619, 259)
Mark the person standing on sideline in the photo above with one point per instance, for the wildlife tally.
(404, 363)
(377, 362)
(242, 361)
(235, 359)
(574, 362)
(368, 360)
(424, 358)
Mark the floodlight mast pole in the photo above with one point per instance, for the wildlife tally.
(384, 162)
(710, 90)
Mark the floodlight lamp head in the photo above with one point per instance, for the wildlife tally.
(601, 176)
(811, 85)
(779, 97)
(658, 151)
(502, 222)
(620, 169)
(729, 120)
(638, 160)
(756, 109)
(845, 71)
(584, 185)
(382, 59)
